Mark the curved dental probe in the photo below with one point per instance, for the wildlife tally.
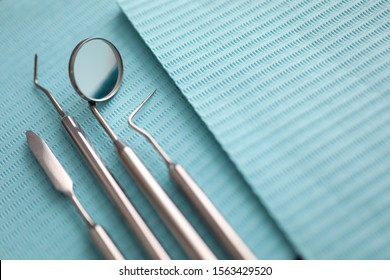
(45, 90)
(221, 228)
(155, 144)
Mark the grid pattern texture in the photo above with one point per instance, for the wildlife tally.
(36, 222)
(298, 94)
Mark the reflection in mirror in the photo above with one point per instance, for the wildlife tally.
(96, 69)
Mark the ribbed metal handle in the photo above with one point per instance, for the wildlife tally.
(115, 192)
(180, 227)
(222, 229)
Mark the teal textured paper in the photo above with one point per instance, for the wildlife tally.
(36, 222)
(298, 95)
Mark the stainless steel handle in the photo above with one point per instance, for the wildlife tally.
(190, 240)
(131, 215)
(106, 246)
(222, 229)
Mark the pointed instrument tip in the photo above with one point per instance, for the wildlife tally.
(30, 135)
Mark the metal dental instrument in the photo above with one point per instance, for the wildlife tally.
(63, 183)
(96, 71)
(223, 231)
(149, 242)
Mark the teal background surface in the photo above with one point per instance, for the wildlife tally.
(298, 94)
(36, 222)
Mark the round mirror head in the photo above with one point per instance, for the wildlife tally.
(95, 69)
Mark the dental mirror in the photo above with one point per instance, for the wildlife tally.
(96, 71)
